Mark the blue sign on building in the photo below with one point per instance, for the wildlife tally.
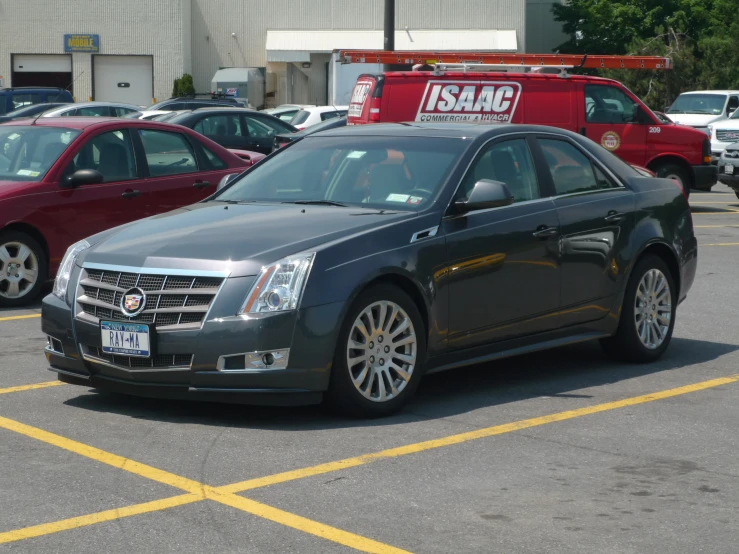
(82, 43)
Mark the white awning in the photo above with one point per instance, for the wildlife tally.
(296, 46)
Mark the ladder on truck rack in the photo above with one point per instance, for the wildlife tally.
(400, 57)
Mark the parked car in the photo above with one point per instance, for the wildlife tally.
(235, 128)
(723, 134)
(700, 108)
(307, 117)
(193, 103)
(14, 98)
(286, 138)
(601, 109)
(147, 114)
(286, 112)
(30, 111)
(62, 179)
(358, 259)
(728, 167)
(169, 115)
(94, 109)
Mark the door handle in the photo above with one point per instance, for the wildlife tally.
(544, 232)
(615, 217)
(201, 184)
(131, 193)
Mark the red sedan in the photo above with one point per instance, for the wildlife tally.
(64, 179)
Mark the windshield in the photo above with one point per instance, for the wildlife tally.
(301, 117)
(712, 104)
(28, 152)
(398, 173)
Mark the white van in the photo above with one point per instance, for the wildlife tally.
(702, 107)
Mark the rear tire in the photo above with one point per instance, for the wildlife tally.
(647, 315)
(23, 269)
(676, 172)
(379, 355)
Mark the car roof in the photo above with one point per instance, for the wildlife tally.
(442, 130)
(224, 109)
(81, 122)
(321, 109)
(114, 104)
(711, 92)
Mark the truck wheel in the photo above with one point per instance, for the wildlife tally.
(676, 172)
(23, 269)
(647, 314)
(379, 355)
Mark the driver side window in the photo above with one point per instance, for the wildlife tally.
(509, 162)
(109, 153)
(608, 104)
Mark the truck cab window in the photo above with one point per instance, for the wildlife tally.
(608, 104)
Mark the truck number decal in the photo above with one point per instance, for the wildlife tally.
(655, 130)
(462, 101)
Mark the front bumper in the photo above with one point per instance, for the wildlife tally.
(705, 176)
(731, 180)
(309, 334)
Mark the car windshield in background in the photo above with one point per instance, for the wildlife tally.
(28, 152)
(699, 103)
(399, 173)
(300, 117)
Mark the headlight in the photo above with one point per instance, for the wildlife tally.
(65, 269)
(279, 286)
(710, 130)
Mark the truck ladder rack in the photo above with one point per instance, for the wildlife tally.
(399, 57)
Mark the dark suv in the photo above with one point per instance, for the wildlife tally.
(19, 97)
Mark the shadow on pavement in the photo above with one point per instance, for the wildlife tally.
(554, 373)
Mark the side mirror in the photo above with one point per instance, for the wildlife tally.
(730, 110)
(485, 194)
(225, 180)
(82, 177)
(642, 117)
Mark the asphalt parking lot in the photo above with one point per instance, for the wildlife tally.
(563, 451)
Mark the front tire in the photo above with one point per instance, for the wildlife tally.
(676, 172)
(379, 355)
(23, 269)
(647, 315)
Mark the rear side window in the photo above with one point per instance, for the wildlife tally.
(571, 170)
(167, 153)
(220, 126)
(329, 115)
(263, 127)
(301, 117)
(93, 111)
(214, 161)
(21, 100)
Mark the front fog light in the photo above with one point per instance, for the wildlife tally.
(273, 359)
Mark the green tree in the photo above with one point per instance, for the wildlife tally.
(701, 37)
(183, 86)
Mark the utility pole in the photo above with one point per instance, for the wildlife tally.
(389, 27)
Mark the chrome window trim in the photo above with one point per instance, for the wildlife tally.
(156, 270)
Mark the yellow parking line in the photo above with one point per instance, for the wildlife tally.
(708, 203)
(226, 494)
(713, 226)
(472, 435)
(107, 515)
(13, 318)
(721, 244)
(197, 490)
(31, 387)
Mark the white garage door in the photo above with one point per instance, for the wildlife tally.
(127, 79)
(23, 63)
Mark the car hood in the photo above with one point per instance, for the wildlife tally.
(693, 119)
(732, 124)
(238, 238)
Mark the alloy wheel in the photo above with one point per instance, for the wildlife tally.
(653, 309)
(382, 351)
(19, 270)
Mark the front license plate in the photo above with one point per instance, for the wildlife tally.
(729, 169)
(127, 339)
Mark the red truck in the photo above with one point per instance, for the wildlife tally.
(494, 89)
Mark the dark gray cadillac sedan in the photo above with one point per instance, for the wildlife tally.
(349, 264)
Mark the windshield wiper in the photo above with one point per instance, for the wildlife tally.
(317, 203)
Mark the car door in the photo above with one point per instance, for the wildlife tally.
(611, 118)
(95, 208)
(504, 275)
(225, 129)
(262, 131)
(596, 215)
(176, 174)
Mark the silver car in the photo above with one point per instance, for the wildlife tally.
(93, 109)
